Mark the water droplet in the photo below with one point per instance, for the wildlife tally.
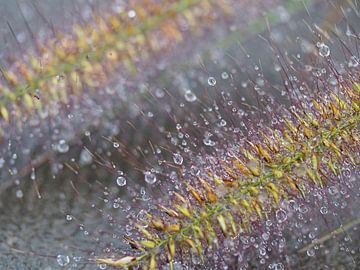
(208, 142)
(69, 217)
(265, 236)
(348, 31)
(211, 81)
(33, 175)
(222, 123)
(62, 146)
(260, 82)
(281, 215)
(63, 260)
(77, 259)
(19, 194)
(353, 62)
(116, 145)
(178, 159)
(85, 157)
(159, 93)
(310, 252)
(121, 181)
(150, 178)
(224, 75)
(278, 266)
(190, 96)
(333, 190)
(277, 67)
(116, 205)
(324, 50)
(323, 210)
(303, 209)
(132, 13)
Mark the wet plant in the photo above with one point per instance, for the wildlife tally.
(237, 164)
(248, 177)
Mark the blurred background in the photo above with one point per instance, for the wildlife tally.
(70, 181)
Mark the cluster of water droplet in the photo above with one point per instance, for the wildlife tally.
(207, 122)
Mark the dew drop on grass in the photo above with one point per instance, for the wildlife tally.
(281, 215)
(278, 266)
(211, 81)
(190, 96)
(77, 259)
(150, 178)
(323, 210)
(310, 252)
(62, 260)
(116, 205)
(19, 194)
(178, 159)
(33, 175)
(121, 181)
(85, 157)
(69, 217)
(208, 142)
(260, 82)
(277, 67)
(224, 75)
(348, 31)
(159, 93)
(62, 146)
(265, 236)
(346, 173)
(222, 123)
(207, 139)
(324, 50)
(353, 62)
(333, 190)
(116, 145)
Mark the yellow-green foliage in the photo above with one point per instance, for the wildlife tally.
(280, 165)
